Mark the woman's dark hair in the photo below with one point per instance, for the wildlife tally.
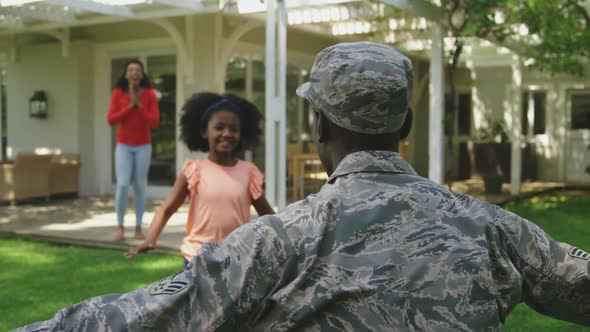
(199, 108)
(123, 83)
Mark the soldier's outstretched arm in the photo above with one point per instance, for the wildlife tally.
(556, 276)
(227, 285)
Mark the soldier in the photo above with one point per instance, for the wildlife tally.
(379, 248)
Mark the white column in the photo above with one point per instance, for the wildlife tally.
(275, 129)
(248, 79)
(516, 128)
(436, 107)
(300, 110)
(202, 74)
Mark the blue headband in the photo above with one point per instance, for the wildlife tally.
(214, 107)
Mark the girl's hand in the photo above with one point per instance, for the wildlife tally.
(144, 247)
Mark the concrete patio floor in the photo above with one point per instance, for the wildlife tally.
(86, 221)
(90, 221)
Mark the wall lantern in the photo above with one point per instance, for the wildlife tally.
(38, 105)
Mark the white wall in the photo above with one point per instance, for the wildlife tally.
(67, 82)
(490, 93)
(492, 96)
(554, 149)
(86, 116)
(42, 67)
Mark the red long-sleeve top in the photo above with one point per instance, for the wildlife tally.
(135, 124)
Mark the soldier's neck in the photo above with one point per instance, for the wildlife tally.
(341, 149)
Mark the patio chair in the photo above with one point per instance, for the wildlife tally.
(64, 174)
(26, 178)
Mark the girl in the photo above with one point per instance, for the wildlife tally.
(134, 108)
(221, 187)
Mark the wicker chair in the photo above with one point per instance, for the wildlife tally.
(26, 178)
(64, 175)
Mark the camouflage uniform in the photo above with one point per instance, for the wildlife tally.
(379, 248)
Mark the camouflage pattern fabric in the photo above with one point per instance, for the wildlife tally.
(379, 248)
(364, 87)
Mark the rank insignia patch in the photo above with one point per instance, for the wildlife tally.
(579, 253)
(170, 285)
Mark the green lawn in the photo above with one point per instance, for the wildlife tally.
(37, 279)
(565, 218)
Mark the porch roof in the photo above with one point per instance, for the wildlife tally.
(389, 21)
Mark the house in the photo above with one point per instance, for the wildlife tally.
(74, 51)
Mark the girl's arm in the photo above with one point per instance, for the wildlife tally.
(262, 207)
(166, 210)
(116, 110)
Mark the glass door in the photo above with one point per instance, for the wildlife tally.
(162, 71)
(578, 156)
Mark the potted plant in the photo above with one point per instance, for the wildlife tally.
(486, 151)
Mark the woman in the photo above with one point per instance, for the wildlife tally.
(134, 108)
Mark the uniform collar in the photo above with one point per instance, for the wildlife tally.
(372, 161)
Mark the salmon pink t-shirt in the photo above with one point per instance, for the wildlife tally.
(220, 199)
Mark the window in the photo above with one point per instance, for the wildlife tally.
(539, 99)
(580, 111)
(533, 120)
(464, 115)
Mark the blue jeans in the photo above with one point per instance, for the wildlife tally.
(131, 162)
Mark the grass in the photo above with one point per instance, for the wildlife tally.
(37, 279)
(565, 217)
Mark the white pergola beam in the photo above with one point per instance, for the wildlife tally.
(192, 5)
(432, 12)
(333, 13)
(421, 8)
(39, 13)
(315, 3)
(293, 4)
(93, 6)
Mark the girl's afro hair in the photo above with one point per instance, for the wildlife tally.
(194, 120)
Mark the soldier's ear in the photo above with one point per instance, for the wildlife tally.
(404, 131)
(322, 127)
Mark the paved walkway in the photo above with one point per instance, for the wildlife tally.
(90, 221)
(86, 221)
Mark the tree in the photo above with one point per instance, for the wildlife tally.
(553, 35)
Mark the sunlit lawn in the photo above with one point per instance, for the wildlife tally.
(37, 279)
(566, 217)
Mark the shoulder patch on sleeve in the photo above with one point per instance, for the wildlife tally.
(579, 253)
(170, 285)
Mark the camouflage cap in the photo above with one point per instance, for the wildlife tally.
(364, 87)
